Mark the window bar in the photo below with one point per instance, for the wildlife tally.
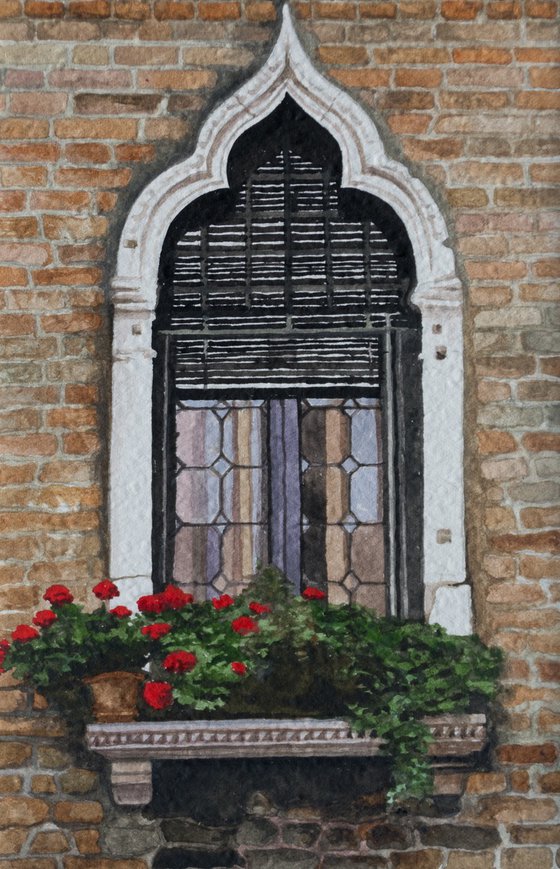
(204, 254)
(287, 228)
(167, 470)
(248, 241)
(389, 415)
(401, 460)
(328, 248)
(285, 494)
(366, 232)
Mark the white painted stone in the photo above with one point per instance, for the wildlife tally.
(366, 166)
(452, 609)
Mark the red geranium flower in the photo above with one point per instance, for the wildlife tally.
(180, 662)
(151, 603)
(222, 602)
(175, 598)
(154, 632)
(259, 608)
(58, 595)
(121, 612)
(44, 618)
(105, 590)
(239, 667)
(158, 694)
(313, 593)
(23, 633)
(245, 625)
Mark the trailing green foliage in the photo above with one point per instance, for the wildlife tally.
(269, 654)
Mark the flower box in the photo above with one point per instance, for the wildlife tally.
(132, 748)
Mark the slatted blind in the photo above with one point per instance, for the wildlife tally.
(284, 286)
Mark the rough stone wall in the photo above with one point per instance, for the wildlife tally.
(99, 96)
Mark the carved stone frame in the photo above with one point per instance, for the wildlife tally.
(438, 295)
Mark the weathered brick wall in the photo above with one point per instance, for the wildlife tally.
(99, 97)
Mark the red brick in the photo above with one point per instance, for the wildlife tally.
(85, 812)
(116, 104)
(69, 277)
(537, 100)
(397, 56)
(537, 442)
(533, 567)
(23, 811)
(545, 198)
(87, 152)
(87, 842)
(484, 55)
(23, 176)
(91, 78)
(409, 123)
(538, 390)
(418, 78)
(461, 10)
(135, 153)
(260, 11)
(17, 324)
(81, 253)
(549, 671)
(93, 177)
(11, 474)
(33, 103)
(417, 8)
(219, 11)
(96, 128)
(343, 54)
(18, 227)
(514, 593)
(514, 809)
(544, 541)
(77, 394)
(485, 783)
(334, 9)
(504, 9)
(176, 80)
(90, 8)
(492, 441)
(406, 100)
(363, 78)
(378, 10)
(10, 8)
(28, 445)
(23, 128)
(506, 366)
(59, 200)
(173, 9)
(540, 517)
(81, 443)
(541, 9)
(134, 10)
(548, 721)
(13, 277)
(551, 366)
(12, 200)
(44, 8)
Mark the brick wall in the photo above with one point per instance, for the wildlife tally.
(98, 98)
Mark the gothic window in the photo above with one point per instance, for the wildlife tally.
(287, 382)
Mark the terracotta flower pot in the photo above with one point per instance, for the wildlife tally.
(115, 695)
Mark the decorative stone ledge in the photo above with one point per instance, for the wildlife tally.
(131, 748)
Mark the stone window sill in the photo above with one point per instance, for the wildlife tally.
(131, 748)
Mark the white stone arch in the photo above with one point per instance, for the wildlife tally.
(438, 294)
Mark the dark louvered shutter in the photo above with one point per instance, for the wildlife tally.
(288, 281)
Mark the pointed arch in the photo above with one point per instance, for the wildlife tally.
(438, 295)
